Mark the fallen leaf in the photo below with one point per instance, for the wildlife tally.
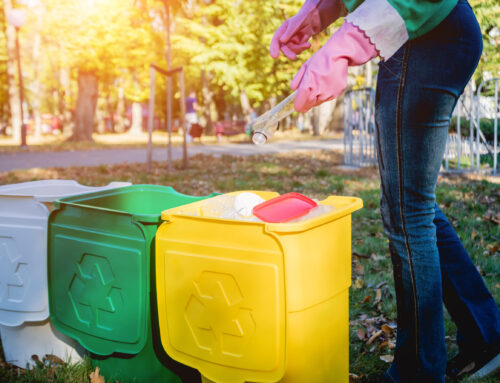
(386, 328)
(361, 334)
(378, 296)
(353, 377)
(374, 337)
(493, 248)
(391, 345)
(37, 360)
(53, 359)
(474, 234)
(367, 299)
(358, 283)
(359, 269)
(387, 358)
(95, 377)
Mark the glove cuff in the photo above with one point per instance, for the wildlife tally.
(382, 24)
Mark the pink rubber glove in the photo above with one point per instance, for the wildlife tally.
(314, 16)
(324, 76)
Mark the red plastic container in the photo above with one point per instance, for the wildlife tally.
(284, 208)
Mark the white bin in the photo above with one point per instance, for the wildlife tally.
(25, 326)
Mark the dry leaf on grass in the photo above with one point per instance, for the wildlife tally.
(374, 337)
(493, 248)
(37, 360)
(361, 334)
(359, 269)
(53, 359)
(387, 358)
(387, 329)
(378, 297)
(95, 377)
(367, 299)
(353, 377)
(358, 283)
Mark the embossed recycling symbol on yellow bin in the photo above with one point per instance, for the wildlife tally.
(92, 292)
(217, 317)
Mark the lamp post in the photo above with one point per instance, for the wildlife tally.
(17, 18)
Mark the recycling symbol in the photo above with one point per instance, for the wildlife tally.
(12, 286)
(93, 293)
(216, 316)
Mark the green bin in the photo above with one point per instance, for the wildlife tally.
(101, 279)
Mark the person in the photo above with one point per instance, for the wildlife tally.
(429, 51)
(191, 116)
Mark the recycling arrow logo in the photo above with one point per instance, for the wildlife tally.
(93, 291)
(216, 315)
(12, 286)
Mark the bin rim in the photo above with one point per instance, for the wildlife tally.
(34, 189)
(347, 204)
(79, 200)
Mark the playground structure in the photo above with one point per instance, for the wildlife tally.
(360, 133)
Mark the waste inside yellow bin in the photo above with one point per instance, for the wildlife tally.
(246, 301)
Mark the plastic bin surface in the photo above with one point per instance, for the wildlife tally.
(99, 265)
(19, 343)
(261, 302)
(23, 250)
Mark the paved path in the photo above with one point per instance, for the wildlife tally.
(28, 160)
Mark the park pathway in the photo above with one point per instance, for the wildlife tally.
(27, 160)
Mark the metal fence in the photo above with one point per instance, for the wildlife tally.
(477, 151)
(359, 127)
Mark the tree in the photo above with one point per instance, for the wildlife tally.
(487, 12)
(230, 41)
(4, 89)
(101, 42)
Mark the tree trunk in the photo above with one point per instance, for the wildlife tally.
(15, 116)
(111, 114)
(136, 128)
(64, 90)
(85, 106)
(120, 126)
(316, 121)
(37, 96)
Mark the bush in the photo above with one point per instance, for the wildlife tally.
(486, 124)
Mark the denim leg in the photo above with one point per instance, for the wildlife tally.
(417, 90)
(465, 295)
(410, 157)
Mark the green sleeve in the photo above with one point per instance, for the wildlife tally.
(419, 16)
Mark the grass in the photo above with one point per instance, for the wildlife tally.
(471, 205)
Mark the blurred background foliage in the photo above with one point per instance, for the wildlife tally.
(222, 45)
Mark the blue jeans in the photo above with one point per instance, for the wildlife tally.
(416, 92)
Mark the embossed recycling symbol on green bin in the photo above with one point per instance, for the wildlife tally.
(92, 291)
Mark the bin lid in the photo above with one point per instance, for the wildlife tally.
(50, 190)
(144, 203)
(343, 205)
(284, 207)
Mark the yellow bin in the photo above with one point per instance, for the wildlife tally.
(256, 302)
